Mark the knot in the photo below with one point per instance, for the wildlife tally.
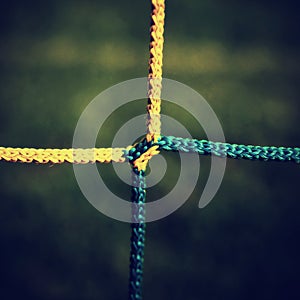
(139, 154)
(142, 161)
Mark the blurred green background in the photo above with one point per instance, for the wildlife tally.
(243, 57)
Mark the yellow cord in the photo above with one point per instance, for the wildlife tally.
(155, 70)
(58, 156)
(106, 155)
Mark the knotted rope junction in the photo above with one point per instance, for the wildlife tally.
(139, 155)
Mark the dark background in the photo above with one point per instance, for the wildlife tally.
(243, 57)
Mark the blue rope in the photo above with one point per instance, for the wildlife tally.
(138, 228)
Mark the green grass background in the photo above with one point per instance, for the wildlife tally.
(243, 57)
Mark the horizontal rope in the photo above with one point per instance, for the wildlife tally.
(140, 153)
(58, 156)
(250, 152)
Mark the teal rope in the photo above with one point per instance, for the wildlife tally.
(202, 147)
(138, 228)
(249, 152)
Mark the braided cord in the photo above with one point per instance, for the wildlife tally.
(249, 152)
(155, 69)
(58, 156)
(138, 228)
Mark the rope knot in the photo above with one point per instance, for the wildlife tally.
(139, 154)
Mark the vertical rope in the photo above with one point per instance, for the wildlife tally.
(155, 69)
(138, 225)
(137, 235)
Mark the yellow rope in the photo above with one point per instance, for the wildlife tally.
(106, 155)
(58, 156)
(155, 70)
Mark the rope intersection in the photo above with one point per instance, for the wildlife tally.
(138, 155)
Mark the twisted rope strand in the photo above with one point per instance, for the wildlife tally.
(138, 228)
(155, 69)
(250, 152)
(58, 156)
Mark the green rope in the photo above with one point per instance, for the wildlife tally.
(202, 147)
(249, 152)
(138, 228)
